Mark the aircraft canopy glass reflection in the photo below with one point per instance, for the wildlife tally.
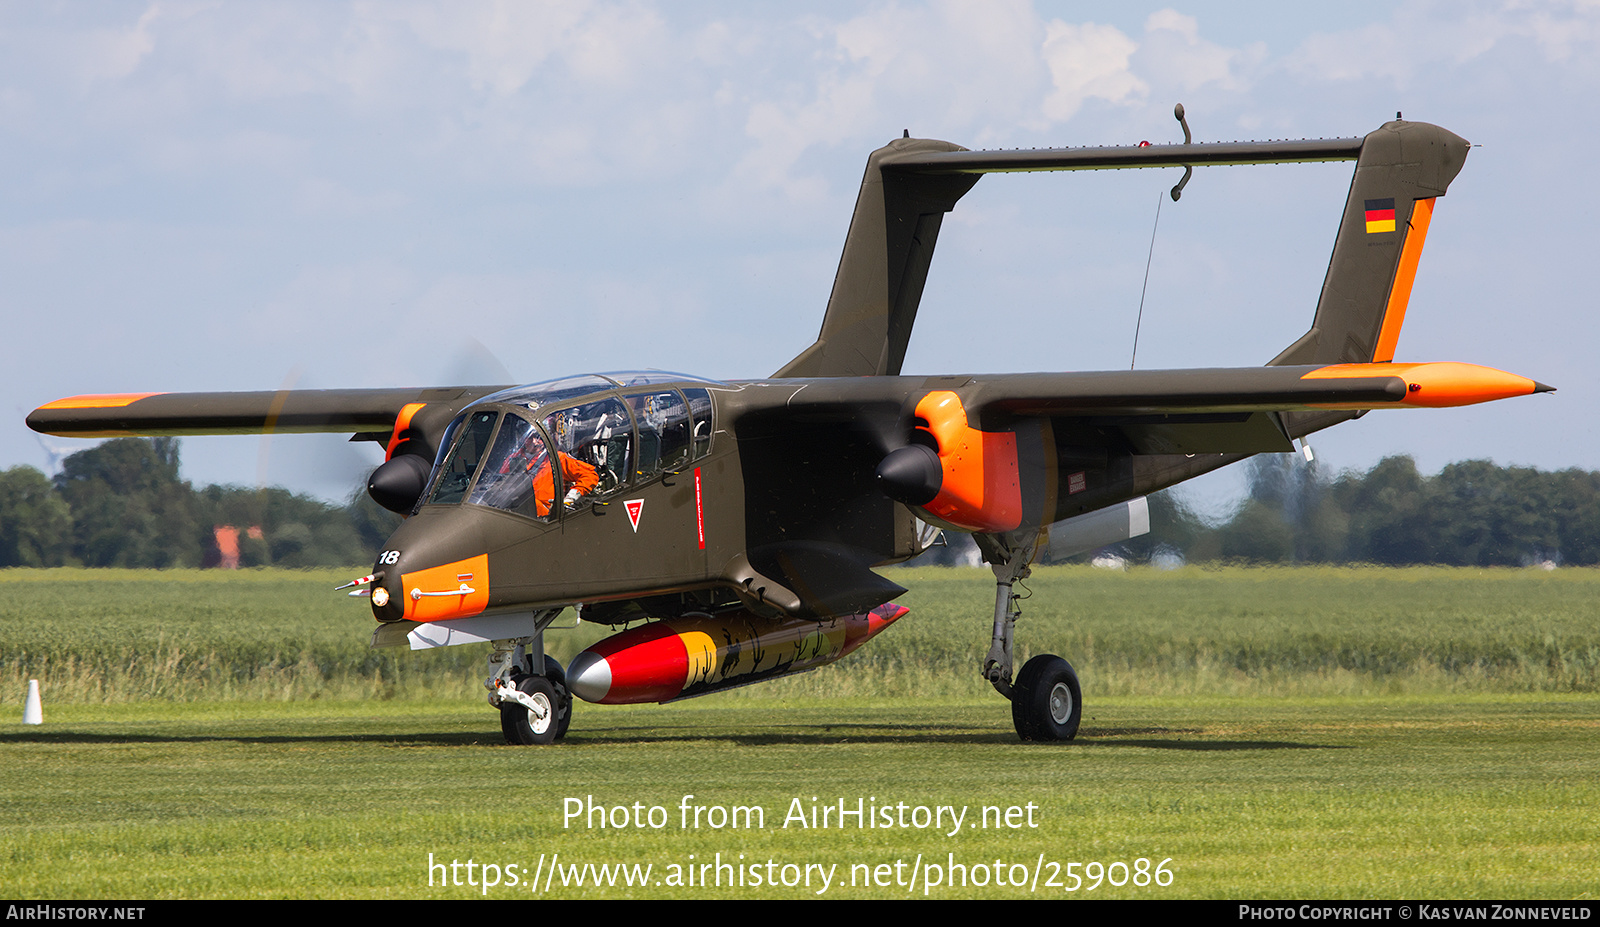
(546, 448)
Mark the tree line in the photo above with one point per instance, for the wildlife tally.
(1471, 513)
(123, 504)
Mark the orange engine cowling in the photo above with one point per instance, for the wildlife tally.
(966, 480)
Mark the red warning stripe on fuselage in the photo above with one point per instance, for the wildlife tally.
(699, 511)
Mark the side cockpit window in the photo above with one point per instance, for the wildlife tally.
(700, 405)
(663, 420)
(595, 445)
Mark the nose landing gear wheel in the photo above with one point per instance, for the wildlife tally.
(1046, 703)
(530, 726)
(545, 723)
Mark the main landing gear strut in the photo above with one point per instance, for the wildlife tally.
(1046, 703)
(535, 704)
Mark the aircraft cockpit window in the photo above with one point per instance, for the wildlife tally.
(516, 475)
(663, 432)
(628, 378)
(535, 395)
(455, 474)
(596, 445)
(700, 405)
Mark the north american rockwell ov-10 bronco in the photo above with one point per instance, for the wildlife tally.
(736, 525)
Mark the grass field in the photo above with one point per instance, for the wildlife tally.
(1418, 734)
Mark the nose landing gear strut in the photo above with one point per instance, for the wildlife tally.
(535, 707)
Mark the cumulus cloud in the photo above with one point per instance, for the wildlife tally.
(1174, 55)
(947, 69)
(578, 93)
(1423, 35)
(1087, 61)
(506, 44)
(114, 53)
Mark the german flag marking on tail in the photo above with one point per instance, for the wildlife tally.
(1380, 215)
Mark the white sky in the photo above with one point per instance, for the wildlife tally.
(203, 196)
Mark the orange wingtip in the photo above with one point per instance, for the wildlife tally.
(1440, 385)
(98, 401)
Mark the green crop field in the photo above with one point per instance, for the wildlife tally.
(1248, 733)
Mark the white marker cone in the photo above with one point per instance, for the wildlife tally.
(33, 711)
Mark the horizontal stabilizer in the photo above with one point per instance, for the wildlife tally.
(911, 183)
(1126, 156)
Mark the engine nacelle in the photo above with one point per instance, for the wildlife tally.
(398, 483)
(967, 480)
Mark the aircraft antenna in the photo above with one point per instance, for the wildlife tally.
(1142, 290)
(1177, 191)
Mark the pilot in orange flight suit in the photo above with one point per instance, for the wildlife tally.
(581, 479)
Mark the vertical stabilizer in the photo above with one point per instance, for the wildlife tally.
(1403, 166)
(885, 264)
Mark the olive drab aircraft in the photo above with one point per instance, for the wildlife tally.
(730, 530)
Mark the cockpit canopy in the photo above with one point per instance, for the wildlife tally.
(609, 432)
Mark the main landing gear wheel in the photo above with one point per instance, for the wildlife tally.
(1046, 703)
(547, 721)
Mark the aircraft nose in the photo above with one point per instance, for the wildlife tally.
(434, 567)
(387, 603)
(457, 589)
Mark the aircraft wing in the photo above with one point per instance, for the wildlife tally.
(408, 421)
(1229, 390)
(288, 411)
(992, 453)
(1236, 410)
(1247, 410)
